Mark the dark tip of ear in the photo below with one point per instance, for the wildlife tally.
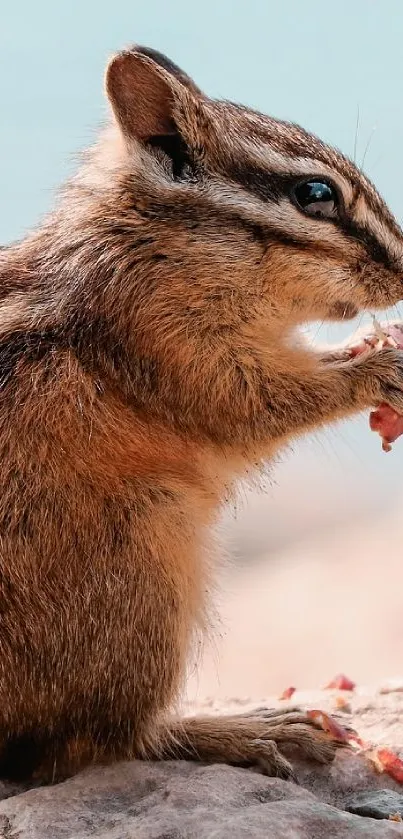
(168, 65)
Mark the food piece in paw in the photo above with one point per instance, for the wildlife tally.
(383, 335)
(390, 334)
(388, 423)
(384, 419)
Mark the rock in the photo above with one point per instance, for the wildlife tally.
(349, 775)
(378, 804)
(179, 800)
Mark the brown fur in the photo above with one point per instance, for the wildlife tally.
(148, 359)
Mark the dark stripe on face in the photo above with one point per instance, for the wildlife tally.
(269, 186)
(375, 249)
(268, 236)
(193, 210)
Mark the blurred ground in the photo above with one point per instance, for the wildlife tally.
(315, 585)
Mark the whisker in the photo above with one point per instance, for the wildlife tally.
(360, 321)
(395, 308)
(314, 337)
(357, 125)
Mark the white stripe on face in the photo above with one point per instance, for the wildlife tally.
(272, 160)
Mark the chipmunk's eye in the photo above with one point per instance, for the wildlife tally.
(317, 198)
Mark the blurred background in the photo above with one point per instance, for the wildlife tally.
(315, 584)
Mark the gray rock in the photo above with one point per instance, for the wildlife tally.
(378, 804)
(179, 800)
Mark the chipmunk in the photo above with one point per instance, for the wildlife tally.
(149, 359)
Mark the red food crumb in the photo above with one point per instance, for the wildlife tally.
(340, 682)
(391, 763)
(287, 693)
(327, 723)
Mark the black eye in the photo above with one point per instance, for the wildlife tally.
(317, 198)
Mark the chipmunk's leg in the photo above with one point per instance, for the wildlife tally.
(332, 391)
(255, 739)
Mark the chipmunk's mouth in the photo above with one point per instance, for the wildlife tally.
(342, 311)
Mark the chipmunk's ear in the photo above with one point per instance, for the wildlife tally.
(144, 89)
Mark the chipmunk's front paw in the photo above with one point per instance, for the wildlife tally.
(382, 375)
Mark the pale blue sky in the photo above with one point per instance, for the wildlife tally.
(311, 61)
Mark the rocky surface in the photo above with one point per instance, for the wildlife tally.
(377, 804)
(181, 800)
